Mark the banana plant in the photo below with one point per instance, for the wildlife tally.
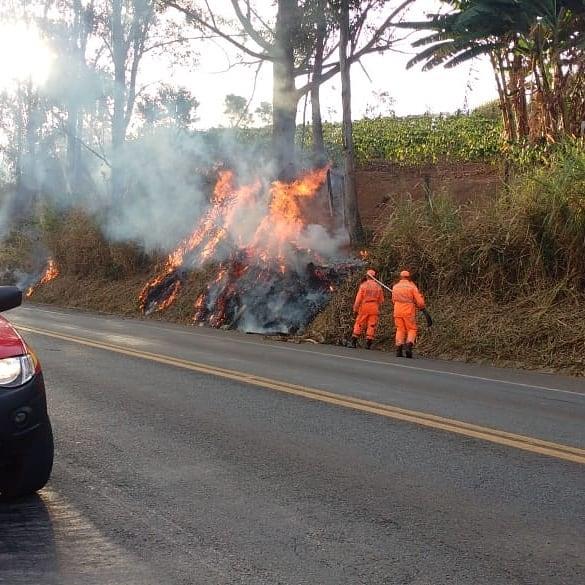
(537, 50)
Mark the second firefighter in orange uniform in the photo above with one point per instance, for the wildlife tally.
(407, 300)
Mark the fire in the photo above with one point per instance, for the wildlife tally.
(233, 220)
(267, 278)
(285, 223)
(51, 272)
(205, 239)
(364, 254)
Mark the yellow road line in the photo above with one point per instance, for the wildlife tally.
(522, 442)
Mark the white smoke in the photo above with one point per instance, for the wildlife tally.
(316, 237)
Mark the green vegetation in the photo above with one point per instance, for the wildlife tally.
(421, 140)
(411, 141)
(414, 140)
(536, 49)
(532, 235)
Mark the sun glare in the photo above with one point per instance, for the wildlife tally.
(24, 55)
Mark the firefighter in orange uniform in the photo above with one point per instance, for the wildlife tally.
(407, 299)
(367, 306)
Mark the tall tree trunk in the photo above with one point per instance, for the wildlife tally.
(28, 184)
(503, 100)
(509, 110)
(352, 215)
(19, 129)
(73, 148)
(548, 100)
(82, 24)
(317, 121)
(284, 98)
(559, 89)
(521, 102)
(119, 114)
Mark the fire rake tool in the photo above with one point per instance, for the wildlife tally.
(380, 283)
(423, 311)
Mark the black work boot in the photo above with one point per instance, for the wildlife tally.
(369, 344)
(409, 347)
(353, 342)
(399, 351)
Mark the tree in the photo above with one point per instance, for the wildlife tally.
(264, 113)
(537, 53)
(130, 22)
(321, 34)
(170, 107)
(126, 32)
(381, 106)
(287, 42)
(237, 110)
(74, 85)
(352, 214)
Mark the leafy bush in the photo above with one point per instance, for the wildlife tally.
(427, 139)
(413, 140)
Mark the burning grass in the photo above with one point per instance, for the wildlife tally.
(50, 273)
(268, 276)
(505, 279)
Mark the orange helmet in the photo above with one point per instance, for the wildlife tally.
(405, 274)
(371, 272)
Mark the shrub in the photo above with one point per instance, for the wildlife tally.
(79, 247)
(534, 232)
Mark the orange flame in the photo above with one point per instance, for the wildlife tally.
(265, 222)
(284, 223)
(51, 272)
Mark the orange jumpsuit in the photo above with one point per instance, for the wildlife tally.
(407, 299)
(367, 306)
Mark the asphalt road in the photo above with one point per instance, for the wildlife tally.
(187, 455)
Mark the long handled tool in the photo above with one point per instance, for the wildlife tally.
(380, 283)
(423, 311)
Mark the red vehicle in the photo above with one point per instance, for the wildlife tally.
(26, 438)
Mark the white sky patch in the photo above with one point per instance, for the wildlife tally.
(414, 91)
(24, 55)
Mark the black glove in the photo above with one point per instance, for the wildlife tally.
(427, 317)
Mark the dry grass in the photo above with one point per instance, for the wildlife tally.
(505, 279)
(119, 296)
(96, 294)
(17, 250)
(79, 248)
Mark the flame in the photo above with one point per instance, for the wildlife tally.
(262, 222)
(51, 272)
(285, 223)
(364, 254)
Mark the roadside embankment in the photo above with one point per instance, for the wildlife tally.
(504, 276)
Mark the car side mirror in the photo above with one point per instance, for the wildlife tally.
(10, 297)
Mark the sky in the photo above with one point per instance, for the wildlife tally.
(413, 91)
